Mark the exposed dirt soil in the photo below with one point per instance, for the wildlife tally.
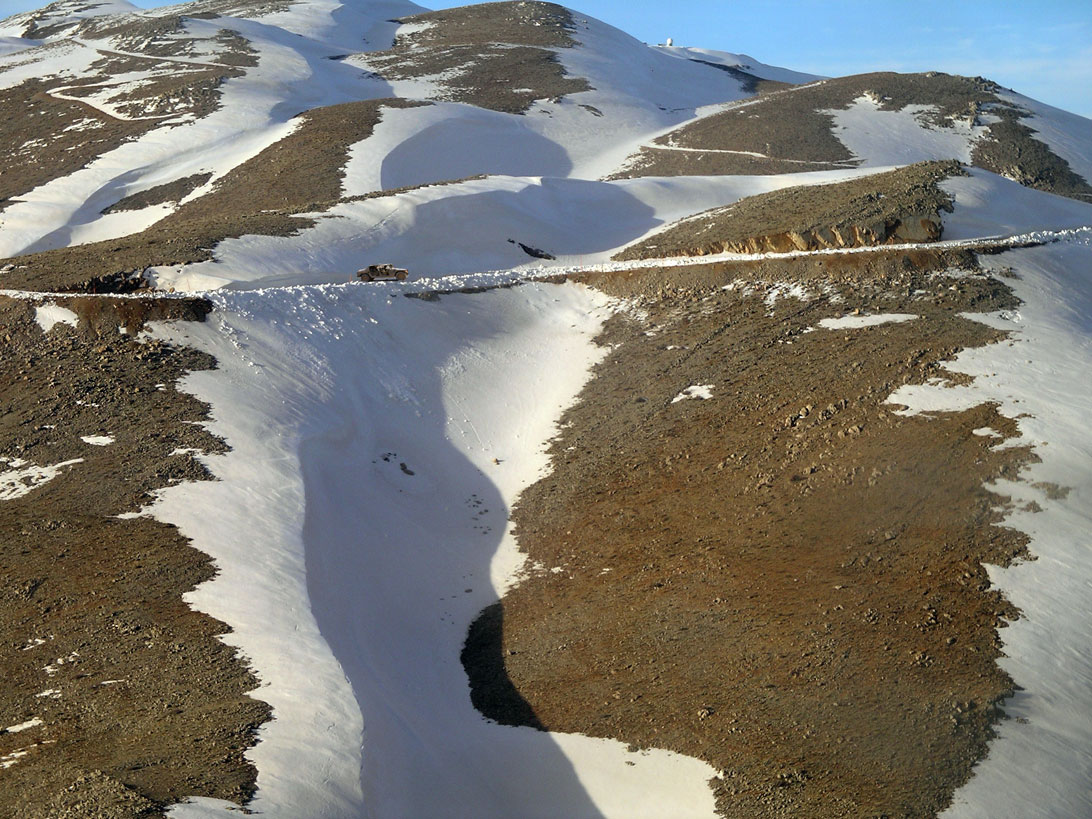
(543, 25)
(785, 125)
(898, 206)
(791, 125)
(784, 579)
(174, 191)
(140, 704)
(473, 53)
(300, 174)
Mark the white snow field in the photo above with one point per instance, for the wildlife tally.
(360, 525)
(465, 228)
(879, 137)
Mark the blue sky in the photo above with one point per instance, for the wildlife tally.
(1042, 49)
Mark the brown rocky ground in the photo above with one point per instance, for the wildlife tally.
(44, 142)
(56, 133)
(895, 207)
(173, 192)
(791, 125)
(784, 579)
(140, 704)
(473, 51)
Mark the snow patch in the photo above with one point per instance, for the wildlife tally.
(783, 290)
(7, 760)
(97, 440)
(10, 45)
(23, 478)
(852, 322)
(990, 205)
(48, 315)
(52, 668)
(741, 61)
(23, 726)
(698, 391)
(879, 137)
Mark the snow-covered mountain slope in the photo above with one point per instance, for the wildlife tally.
(120, 93)
(420, 442)
(578, 222)
(227, 87)
(882, 119)
(379, 434)
(742, 63)
(398, 424)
